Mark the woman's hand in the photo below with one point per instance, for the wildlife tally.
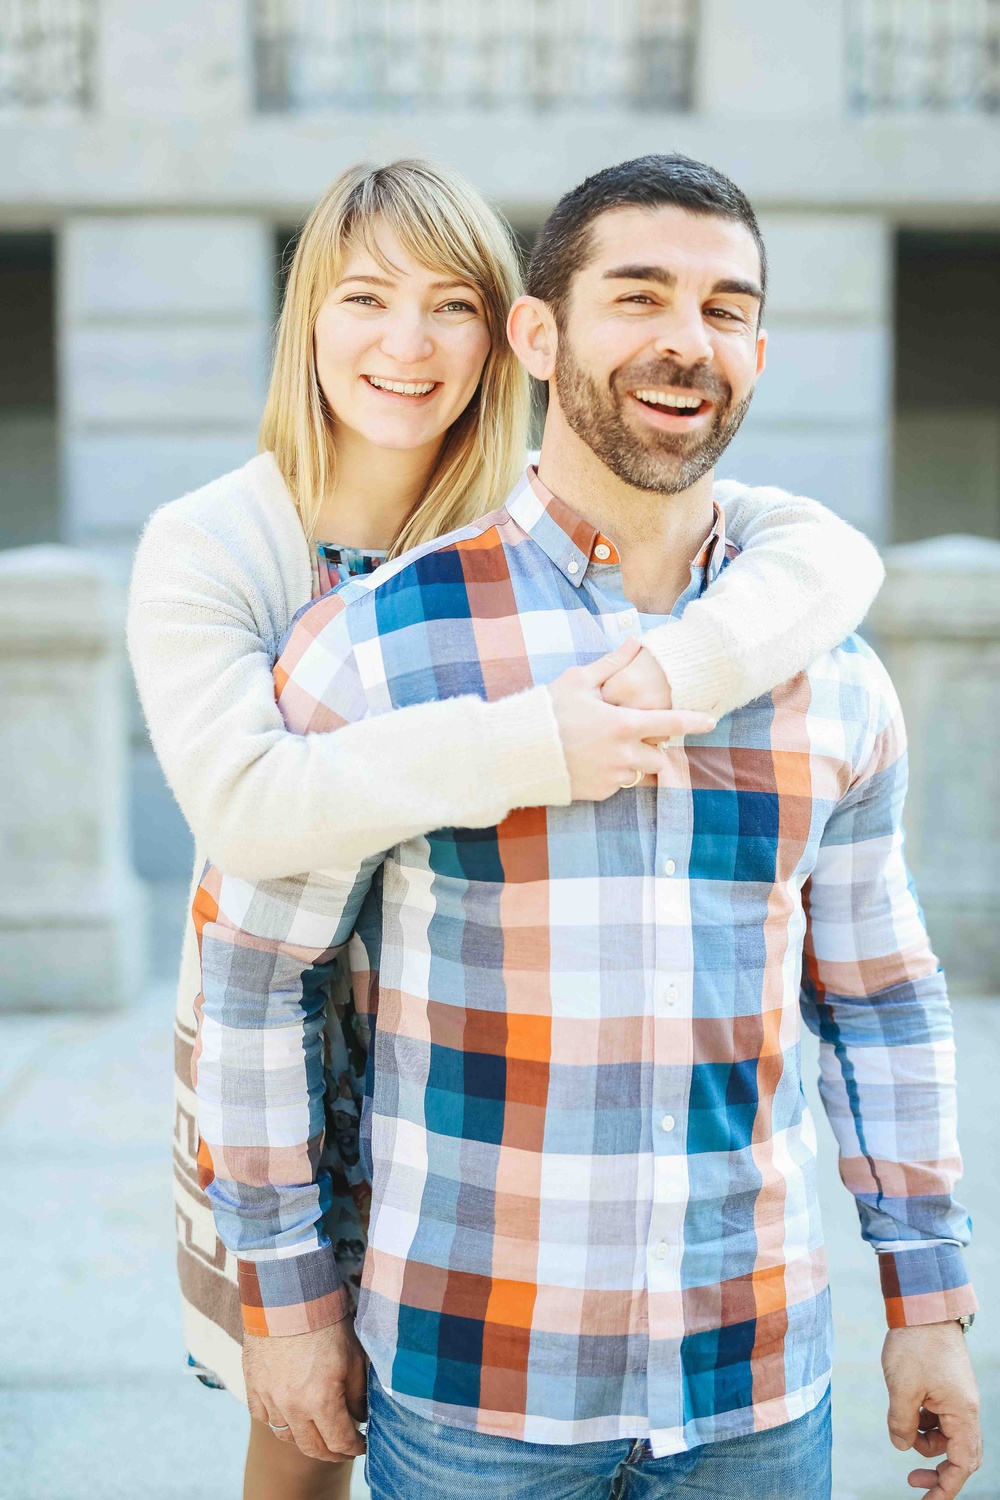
(311, 1388)
(606, 745)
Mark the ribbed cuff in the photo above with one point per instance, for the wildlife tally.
(296, 1294)
(529, 767)
(700, 671)
(928, 1284)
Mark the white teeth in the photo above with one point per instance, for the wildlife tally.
(401, 387)
(662, 398)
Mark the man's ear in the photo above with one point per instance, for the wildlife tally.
(761, 348)
(531, 329)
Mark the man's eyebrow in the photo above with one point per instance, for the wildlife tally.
(731, 284)
(738, 288)
(641, 273)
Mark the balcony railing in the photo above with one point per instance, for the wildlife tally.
(404, 55)
(929, 55)
(46, 53)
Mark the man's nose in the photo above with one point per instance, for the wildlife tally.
(685, 339)
(407, 340)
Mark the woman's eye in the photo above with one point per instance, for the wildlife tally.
(364, 299)
(459, 306)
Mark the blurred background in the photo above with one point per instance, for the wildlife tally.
(155, 161)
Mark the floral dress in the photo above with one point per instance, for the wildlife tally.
(345, 1051)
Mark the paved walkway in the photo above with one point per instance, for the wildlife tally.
(94, 1404)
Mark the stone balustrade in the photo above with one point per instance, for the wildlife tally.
(72, 922)
(937, 626)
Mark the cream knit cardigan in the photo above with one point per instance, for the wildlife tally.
(218, 576)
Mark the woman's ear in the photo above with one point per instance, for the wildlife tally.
(531, 330)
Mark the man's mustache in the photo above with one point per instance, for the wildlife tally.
(685, 378)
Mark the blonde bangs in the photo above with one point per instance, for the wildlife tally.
(446, 225)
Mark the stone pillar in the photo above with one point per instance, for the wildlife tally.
(163, 331)
(937, 624)
(71, 920)
(821, 419)
(163, 358)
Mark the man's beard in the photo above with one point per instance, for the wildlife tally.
(664, 462)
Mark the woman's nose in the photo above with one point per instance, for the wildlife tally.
(407, 340)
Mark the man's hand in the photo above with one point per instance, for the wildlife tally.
(641, 683)
(315, 1383)
(933, 1404)
(604, 744)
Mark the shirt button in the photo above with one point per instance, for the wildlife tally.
(671, 994)
(573, 566)
(625, 618)
(668, 1122)
(661, 1250)
(602, 551)
(669, 867)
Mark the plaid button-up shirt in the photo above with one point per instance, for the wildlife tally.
(594, 1206)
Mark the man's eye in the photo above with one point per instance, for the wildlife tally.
(639, 297)
(724, 312)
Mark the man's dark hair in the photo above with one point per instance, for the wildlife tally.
(563, 244)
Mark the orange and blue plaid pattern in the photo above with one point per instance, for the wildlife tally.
(594, 1208)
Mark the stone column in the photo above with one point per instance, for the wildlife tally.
(71, 920)
(821, 419)
(163, 359)
(163, 352)
(937, 624)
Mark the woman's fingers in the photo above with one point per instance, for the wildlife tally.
(664, 723)
(598, 672)
(603, 745)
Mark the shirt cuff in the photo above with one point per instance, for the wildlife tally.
(294, 1294)
(928, 1284)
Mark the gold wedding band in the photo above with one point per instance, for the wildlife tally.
(639, 775)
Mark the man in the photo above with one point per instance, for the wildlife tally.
(595, 1265)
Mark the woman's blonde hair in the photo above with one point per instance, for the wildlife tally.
(444, 223)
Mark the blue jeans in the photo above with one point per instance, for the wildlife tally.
(410, 1458)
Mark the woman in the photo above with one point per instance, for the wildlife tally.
(396, 413)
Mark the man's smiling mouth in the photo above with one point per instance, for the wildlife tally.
(689, 405)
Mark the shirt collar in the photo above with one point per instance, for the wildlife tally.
(573, 544)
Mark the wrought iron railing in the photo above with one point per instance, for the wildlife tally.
(47, 52)
(399, 55)
(929, 55)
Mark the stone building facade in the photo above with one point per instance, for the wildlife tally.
(156, 158)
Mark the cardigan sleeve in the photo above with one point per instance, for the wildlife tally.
(804, 579)
(265, 803)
